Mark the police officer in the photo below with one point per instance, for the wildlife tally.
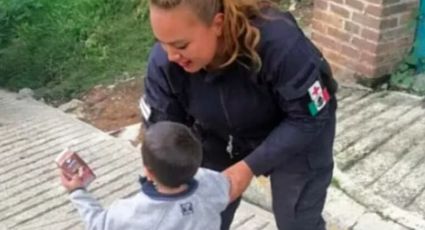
(256, 91)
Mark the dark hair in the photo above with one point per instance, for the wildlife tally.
(171, 152)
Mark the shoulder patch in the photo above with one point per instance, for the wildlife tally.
(319, 98)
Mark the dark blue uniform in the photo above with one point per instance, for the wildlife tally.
(261, 117)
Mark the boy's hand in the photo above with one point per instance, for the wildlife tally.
(72, 182)
(240, 176)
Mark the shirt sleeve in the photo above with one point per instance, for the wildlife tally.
(295, 71)
(218, 187)
(158, 102)
(93, 214)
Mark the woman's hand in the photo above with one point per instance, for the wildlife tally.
(240, 176)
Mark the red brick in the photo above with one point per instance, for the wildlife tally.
(333, 56)
(368, 58)
(336, 69)
(356, 4)
(402, 42)
(370, 34)
(397, 33)
(319, 27)
(325, 51)
(375, 1)
(386, 47)
(389, 23)
(341, 72)
(351, 27)
(341, 59)
(340, 11)
(389, 2)
(406, 18)
(367, 20)
(338, 34)
(390, 59)
(328, 19)
(321, 4)
(326, 42)
(412, 5)
(365, 69)
(362, 44)
(374, 71)
(350, 52)
(317, 13)
(340, 69)
(374, 10)
(394, 9)
(394, 46)
(338, 58)
(337, 1)
(376, 60)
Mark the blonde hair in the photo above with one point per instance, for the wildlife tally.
(240, 38)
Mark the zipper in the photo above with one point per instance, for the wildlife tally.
(229, 147)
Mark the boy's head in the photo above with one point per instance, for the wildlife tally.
(171, 153)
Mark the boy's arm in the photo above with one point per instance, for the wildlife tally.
(94, 216)
(239, 176)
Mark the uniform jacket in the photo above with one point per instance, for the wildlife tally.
(259, 116)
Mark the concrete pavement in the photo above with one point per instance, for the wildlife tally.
(378, 182)
(379, 151)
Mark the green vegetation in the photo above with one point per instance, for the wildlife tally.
(407, 76)
(61, 48)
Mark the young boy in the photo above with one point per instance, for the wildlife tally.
(172, 196)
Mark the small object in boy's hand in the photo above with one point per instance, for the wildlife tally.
(71, 163)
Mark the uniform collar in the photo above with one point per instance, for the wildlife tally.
(217, 74)
(212, 76)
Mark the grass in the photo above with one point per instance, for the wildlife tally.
(62, 48)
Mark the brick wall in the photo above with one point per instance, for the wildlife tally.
(364, 38)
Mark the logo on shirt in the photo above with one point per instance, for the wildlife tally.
(186, 208)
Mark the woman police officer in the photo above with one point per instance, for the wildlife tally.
(257, 92)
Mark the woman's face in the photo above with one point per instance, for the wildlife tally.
(187, 40)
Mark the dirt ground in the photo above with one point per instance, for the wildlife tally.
(112, 107)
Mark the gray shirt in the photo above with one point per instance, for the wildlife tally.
(197, 208)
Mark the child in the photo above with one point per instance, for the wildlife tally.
(172, 196)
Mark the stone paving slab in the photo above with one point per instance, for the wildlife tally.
(341, 211)
(373, 221)
(251, 217)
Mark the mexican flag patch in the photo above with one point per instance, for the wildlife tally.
(319, 98)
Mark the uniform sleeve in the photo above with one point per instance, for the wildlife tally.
(297, 70)
(158, 102)
(94, 216)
